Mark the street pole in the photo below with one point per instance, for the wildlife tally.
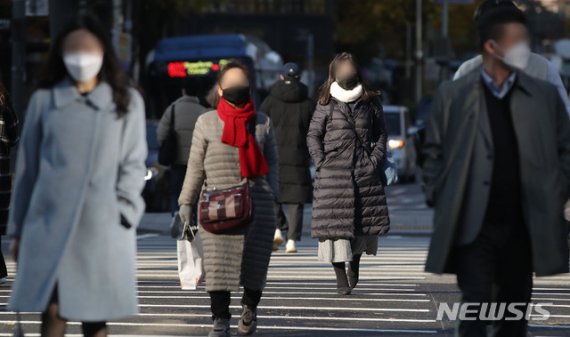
(444, 70)
(445, 19)
(409, 61)
(311, 63)
(117, 15)
(419, 51)
(18, 54)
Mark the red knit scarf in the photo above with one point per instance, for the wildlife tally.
(252, 161)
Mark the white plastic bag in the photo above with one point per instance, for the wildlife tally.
(190, 268)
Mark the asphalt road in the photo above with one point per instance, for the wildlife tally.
(394, 298)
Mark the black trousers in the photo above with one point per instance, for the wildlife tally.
(3, 269)
(177, 174)
(496, 267)
(220, 301)
(293, 222)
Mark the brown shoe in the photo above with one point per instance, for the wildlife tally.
(248, 321)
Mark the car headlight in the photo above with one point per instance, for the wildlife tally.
(396, 144)
(151, 172)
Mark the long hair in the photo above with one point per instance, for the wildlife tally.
(3, 95)
(111, 72)
(325, 89)
(213, 98)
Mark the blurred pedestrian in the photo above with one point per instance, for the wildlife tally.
(532, 64)
(347, 141)
(290, 111)
(497, 167)
(77, 195)
(180, 117)
(9, 136)
(229, 144)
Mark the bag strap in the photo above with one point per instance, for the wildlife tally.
(172, 117)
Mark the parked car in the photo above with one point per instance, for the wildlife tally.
(401, 141)
(155, 192)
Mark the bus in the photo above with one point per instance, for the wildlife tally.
(196, 60)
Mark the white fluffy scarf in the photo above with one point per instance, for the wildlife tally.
(345, 96)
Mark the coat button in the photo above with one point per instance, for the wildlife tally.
(490, 156)
(486, 183)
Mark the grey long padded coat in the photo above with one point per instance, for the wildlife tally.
(79, 168)
(229, 259)
(349, 194)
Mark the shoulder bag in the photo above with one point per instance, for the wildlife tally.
(225, 210)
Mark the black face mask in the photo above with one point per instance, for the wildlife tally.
(349, 82)
(238, 95)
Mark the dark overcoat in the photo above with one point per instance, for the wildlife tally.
(459, 157)
(290, 111)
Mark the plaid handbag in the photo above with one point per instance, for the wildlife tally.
(225, 210)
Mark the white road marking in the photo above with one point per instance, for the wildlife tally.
(393, 280)
(260, 327)
(146, 236)
(268, 307)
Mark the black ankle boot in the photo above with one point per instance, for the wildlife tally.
(342, 285)
(353, 271)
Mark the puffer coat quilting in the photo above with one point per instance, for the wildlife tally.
(229, 259)
(349, 196)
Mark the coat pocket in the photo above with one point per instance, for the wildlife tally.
(121, 219)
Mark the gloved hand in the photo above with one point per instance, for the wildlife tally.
(185, 212)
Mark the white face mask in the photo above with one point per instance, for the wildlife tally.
(83, 66)
(517, 56)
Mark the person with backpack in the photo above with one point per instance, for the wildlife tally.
(177, 124)
(290, 110)
(347, 142)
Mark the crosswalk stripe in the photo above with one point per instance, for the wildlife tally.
(300, 296)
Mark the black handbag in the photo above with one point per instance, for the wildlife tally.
(169, 148)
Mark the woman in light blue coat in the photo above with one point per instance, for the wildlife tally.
(79, 175)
